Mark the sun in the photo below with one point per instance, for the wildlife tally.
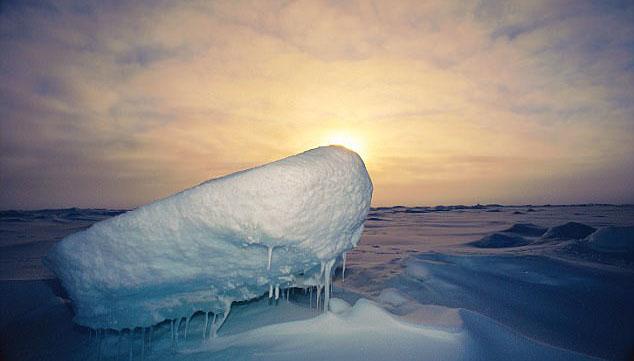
(347, 140)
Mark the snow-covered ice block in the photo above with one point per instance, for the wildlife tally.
(228, 239)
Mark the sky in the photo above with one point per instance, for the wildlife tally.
(115, 104)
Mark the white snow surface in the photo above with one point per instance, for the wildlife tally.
(228, 239)
(557, 299)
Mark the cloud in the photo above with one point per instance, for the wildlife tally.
(116, 104)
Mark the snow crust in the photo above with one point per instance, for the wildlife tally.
(362, 332)
(228, 239)
(367, 332)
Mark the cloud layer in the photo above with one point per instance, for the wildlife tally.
(114, 105)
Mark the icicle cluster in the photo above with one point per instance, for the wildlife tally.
(139, 343)
(268, 229)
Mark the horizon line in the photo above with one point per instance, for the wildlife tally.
(466, 206)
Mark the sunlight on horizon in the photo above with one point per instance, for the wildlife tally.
(483, 109)
(349, 141)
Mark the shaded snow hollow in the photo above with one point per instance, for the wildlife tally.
(234, 238)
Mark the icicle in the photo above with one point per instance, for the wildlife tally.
(319, 286)
(310, 296)
(149, 339)
(270, 290)
(142, 343)
(131, 343)
(213, 325)
(270, 257)
(224, 317)
(288, 293)
(173, 333)
(178, 326)
(277, 292)
(186, 327)
(119, 343)
(343, 269)
(206, 322)
(327, 282)
(99, 337)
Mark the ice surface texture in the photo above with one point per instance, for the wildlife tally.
(228, 239)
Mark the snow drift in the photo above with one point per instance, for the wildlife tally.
(501, 240)
(518, 235)
(526, 229)
(228, 239)
(567, 231)
(612, 239)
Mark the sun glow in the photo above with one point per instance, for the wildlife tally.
(349, 141)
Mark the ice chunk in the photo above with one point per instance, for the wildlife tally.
(338, 306)
(227, 239)
(417, 270)
(392, 297)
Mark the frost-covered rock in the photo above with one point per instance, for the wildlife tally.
(229, 239)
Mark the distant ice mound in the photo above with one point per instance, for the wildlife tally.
(612, 239)
(518, 235)
(526, 229)
(228, 239)
(567, 231)
(501, 240)
(524, 234)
